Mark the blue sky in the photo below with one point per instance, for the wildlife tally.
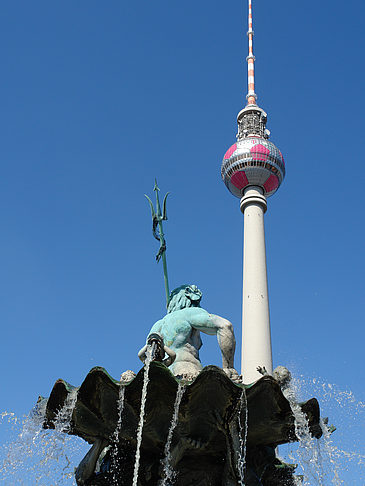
(99, 98)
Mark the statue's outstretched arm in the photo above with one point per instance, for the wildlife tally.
(226, 339)
(213, 324)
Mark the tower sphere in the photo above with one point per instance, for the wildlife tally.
(253, 161)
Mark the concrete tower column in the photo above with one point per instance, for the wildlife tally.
(256, 338)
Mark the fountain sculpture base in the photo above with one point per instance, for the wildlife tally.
(210, 432)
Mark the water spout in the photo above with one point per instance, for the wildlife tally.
(115, 439)
(141, 415)
(168, 472)
(243, 429)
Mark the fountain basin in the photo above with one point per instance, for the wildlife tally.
(205, 438)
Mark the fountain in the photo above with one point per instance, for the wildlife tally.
(176, 422)
(179, 425)
(168, 472)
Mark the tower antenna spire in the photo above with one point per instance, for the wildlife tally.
(251, 95)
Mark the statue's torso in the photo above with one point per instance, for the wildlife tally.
(179, 334)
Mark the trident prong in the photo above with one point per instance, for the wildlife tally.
(157, 231)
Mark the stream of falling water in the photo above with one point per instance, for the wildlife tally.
(243, 429)
(141, 415)
(168, 472)
(115, 441)
(33, 455)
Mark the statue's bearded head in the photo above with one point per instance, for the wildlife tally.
(184, 296)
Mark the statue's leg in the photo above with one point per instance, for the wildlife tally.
(87, 466)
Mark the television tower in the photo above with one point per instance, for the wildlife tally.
(253, 169)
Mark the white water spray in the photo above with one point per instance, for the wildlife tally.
(33, 455)
(338, 465)
(308, 451)
(329, 454)
(168, 472)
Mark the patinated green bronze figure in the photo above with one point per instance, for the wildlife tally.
(185, 319)
(180, 330)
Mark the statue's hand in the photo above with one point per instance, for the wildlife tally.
(233, 375)
(262, 370)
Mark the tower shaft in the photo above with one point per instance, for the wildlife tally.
(253, 169)
(256, 338)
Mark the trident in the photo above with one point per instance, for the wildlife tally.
(157, 218)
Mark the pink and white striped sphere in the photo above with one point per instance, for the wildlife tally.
(253, 161)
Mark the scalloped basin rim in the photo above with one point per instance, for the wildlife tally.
(212, 392)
